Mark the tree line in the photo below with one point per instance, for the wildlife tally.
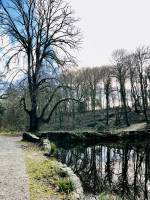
(124, 85)
(44, 81)
(119, 88)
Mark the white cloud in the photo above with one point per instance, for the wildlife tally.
(109, 25)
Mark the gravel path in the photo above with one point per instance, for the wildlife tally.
(13, 177)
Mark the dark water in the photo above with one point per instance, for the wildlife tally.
(122, 169)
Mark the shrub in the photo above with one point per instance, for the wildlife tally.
(62, 174)
(65, 185)
(53, 148)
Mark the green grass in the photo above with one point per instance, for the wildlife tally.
(5, 132)
(65, 185)
(79, 131)
(46, 178)
(41, 178)
(104, 196)
(53, 148)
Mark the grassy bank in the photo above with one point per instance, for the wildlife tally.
(6, 132)
(46, 180)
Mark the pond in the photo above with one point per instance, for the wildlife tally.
(121, 169)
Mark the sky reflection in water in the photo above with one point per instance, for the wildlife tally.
(120, 169)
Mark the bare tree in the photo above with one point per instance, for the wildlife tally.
(106, 74)
(133, 77)
(43, 32)
(120, 73)
(93, 77)
(142, 58)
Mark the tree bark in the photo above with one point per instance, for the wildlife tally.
(107, 108)
(123, 98)
(143, 98)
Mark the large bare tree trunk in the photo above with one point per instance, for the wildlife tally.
(34, 122)
(43, 32)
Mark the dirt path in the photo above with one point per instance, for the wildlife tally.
(13, 177)
(134, 127)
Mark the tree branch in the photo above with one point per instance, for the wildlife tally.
(56, 105)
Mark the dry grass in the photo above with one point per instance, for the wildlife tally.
(43, 174)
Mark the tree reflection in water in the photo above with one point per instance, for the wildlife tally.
(123, 170)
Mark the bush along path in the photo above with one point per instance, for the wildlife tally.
(13, 177)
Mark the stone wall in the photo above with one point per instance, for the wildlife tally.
(78, 193)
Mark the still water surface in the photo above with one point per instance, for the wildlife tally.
(122, 169)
